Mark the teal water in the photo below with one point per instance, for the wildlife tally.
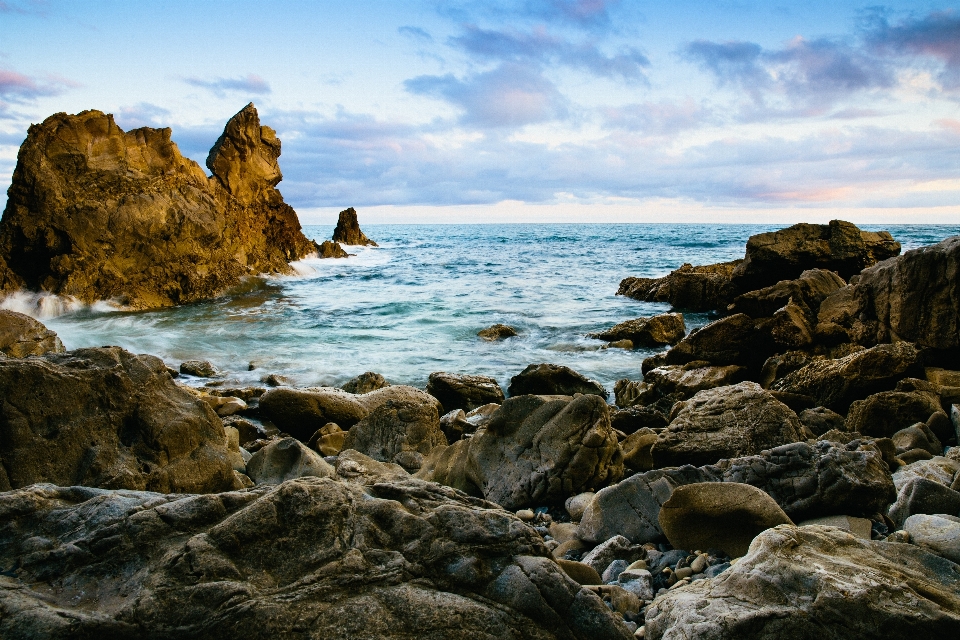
(414, 305)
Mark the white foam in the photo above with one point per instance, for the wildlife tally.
(48, 305)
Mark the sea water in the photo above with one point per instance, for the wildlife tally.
(414, 304)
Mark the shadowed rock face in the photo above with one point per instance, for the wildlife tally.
(310, 558)
(348, 230)
(98, 213)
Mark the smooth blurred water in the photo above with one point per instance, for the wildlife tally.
(414, 305)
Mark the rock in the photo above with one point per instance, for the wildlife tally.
(22, 336)
(923, 496)
(639, 582)
(790, 327)
(99, 214)
(106, 418)
(942, 377)
(638, 450)
(726, 422)
(224, 406)
(631, 393)
(883, 414)
(785, 254)
(454, 425)
(284, 460)
(535, 451)
(734, 340)
(917, 436)
(575, 505)
(552, 379)
(331, 249)
(365, 383)
(632, 419)
(860, 527)
(393, 560)
(779, 365)
(718, 515)
(497, 332)
(835, 384)
(940, 469)
(328, 439)
(820, 420)
(915, 297)
(693, 288)
(807, 292)
(616, 548)
(356, 468)
(394, 428)
(198, 368)
(939, 534)
(276, 380)
(579, 572)
(238, 462)
(613, 571)
(805, 582)
(686, 380)
(667, 328)
(458, 391)
(348, 230)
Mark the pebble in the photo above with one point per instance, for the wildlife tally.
(684, 572)
(640, 633)
(525, 514)
(699, 564)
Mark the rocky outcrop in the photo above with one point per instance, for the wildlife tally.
(816, 582)
(915, 297)
(685, 381)
(666, 328)
(311, 557)
(331, 249)
(107, 418)
(348, 230)
(736, 339)
(22, 336)
(97, 213)
(466, 392)
(397, 431)
(783, 255)
(286, 459)
(553, 379)
(691, 288)
(365, 383)
(808, 291)
(726, 422)
(883, 414)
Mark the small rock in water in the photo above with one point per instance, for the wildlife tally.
(365, 383)
(198, 368)
(276, 380)
(497, 332)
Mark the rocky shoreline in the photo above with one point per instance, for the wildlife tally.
(790, 469)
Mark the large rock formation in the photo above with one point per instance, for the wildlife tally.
(348, 230)
(310, 558)
(783, 255)
(107, 418)
(21, 336)
(691, 288)
(97, 213)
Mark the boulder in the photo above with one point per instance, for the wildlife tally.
(348, 230)
(718, 515)
(616, 548)
(365, 383)
(917, 436)
(198, 368)
(937, 533)
(310, 557)
(497, 332)
(915, 297)
(107, 418)
(726, 422)
(785, 254)
(820, 420)
(632, 419)
(734, 340)
(284, 460)
(97, 213)
(356, 468)
(837, 383)
(790, 327)
(633, 393)
(22, 336)
(328, 439)
(779, 365)
(553, 379)
(331, 249)
(808, 292)
(666, 328)
(923, 496)
(401, 432)
(684, 381)
(816, 582)
(860, 527)
(459, 391)
(940, 469)
(692, 288)
(638, 450)
(883, 414)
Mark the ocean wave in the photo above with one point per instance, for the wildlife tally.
(48, 305)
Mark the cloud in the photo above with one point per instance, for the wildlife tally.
(586, 14)
(935, 36)
(661, 118)
(250, 84)
(17, 87)
(542, 47)
(510, 95)
(416, 33)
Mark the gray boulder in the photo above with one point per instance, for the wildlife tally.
(467, 392)
(937, 533)
(923, 496)
(553, 379)
(286, 459)
(401, 432)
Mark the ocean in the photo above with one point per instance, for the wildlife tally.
(414, 305)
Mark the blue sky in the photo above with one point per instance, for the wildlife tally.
(549, 110)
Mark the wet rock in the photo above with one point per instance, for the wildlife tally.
(22, 336)
(923, 496)
(734, 340)
(683, 381)
(393, 560)
(101, 214)
(718, 515)
(700, 288)
(837, 383)
(284, 460)
(820, 420)
(667, 328)
(497, 332)
(783, 255)
(365, 383)
(394, 428)
(796, 582)
(348, 230)
(331, 249)
(198, 368)
(467, 392)
(726, 422)
(807, 292)
(114, 419)
(552, 379)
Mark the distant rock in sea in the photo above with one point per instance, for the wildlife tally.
(348, 230)
(331, 249)
(97, 213)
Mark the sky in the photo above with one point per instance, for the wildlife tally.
(527, 111)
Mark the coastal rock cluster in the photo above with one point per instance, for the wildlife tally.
(790, 469)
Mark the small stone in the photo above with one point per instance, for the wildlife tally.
(715, 570)
(684, 572)
(576, 505)
(699, 564)
(497, 332)
(198, 368)
(640, 633)
(526, 515)
(581, 573)
(900, 536)
(613, 571)
(568, 546)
